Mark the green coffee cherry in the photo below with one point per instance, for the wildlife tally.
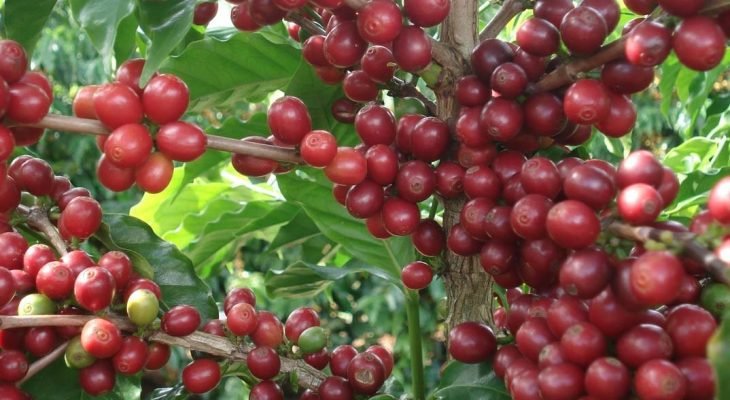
(142, 307)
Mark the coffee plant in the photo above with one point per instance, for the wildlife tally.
(350, 199)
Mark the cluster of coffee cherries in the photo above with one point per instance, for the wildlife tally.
(80, 214)
(146, 132)
(301, 336)
(599, 326)
(35, 281)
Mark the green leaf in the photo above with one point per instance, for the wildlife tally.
(160, 260)
(470, 381)
(298, 230)
(226, 69)
(59, 382)
(692, 155)
(101, 19)
(718, 352)
(301, 280)
(166, 22)
(314, 194)
(126, 41)
(24, 20)
(231, 220)
(669, 71)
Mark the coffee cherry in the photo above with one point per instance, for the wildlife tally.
(640, 204)
(157, 356)
(131, 356)
(242, 19)
(382, 164)
(181, 320)
(7, 286)
(358, 86)
(553, 10)
(681, 8)
(119, 265)
(201, 376)
(471, 342)
(343, 46)
(81, 218)
(318, 148)
(660, 379)
(621, 117)
(298, 321)
(34, 176)
(344, 109)
(101, 338)
(400, 217)
(529, 215)
(36, 304)
(501, 119)
(471, 92)
(461, 242)
(719, 201)
(205, 12)
(142, 283)
(13, 60)
(562, 381)
(426, 13)
(538, 36)
(112, 177)
(585, 273)
(700, 377)
(142, 307)
(416, 275)
(128, 146)
(241, 319)
(55, 280)
(412, 49)
(379, 22)
(181, 141)
(699, 42)
(165, 98)
(648, 44)
(378, 63)
(13, 366)
(340, 359)
(656, 277)
(607, 378)
(98, 378)
(335, 388)
(366, 373)
(155, 174)
(375, 124)
(40, 341)
(429, 139)
(415, 181)
(641, 7)
(312, 340)
(238, 295)
(583, 343)
(587, 102)
(269, 331)
(318, 360)
(265, 12)
(116, 104)
(690, 328)
(263, 362)
(544, 114)
(129, 73)
(583, 30)
(75, 355)
(28, 103)
(623, 77)
(572, 224)
(349, 167)
(254, 166)
(488, 55)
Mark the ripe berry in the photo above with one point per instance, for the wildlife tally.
(719, 201)
(690, 328)
(641, 7)
(700, 377)
(501, 119)
(112, 177)
(269, 331)
(400, 217)
(81, 218)
(318, 148)
(417, 275)
(94, 289)
(412, 49)
(335, 388)
(583, 343)
(471, 92)
(13, 60)
(13, 366)
(241, 319)
(340, 359)
(116, 104)
(428, 238)
(40, 341)
(343, 46)
(98, 378)
(55, 280)
(266, 390)
(382, 164)
(608, 378)
(639, 204)
(375, 124)
(532, 336)
(379, 22)
(366, 373)
(621, 117)
(263, 362)
(201, 376)
(238, 295)
(205, 12)
(553, 10)
(562, 381)
(538, 36)
(181, 141)
(509, 80)
(426, 13)
(101, 338)
(583, 30)
(623, 77)
(681, 8)
(660, 379)
(699, 42)
(129, 73)
(349, 167)
(648, 44)
(155, 174)
(157, 356)
(544, 114)
(488, 55)
(165, 98)
(131, 356)
(572, 224)
(656, 277)
(181, 320)
(471, 342)
(585, 273)
(586, 102)
(242, 19)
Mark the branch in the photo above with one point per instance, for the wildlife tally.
(509, 10)
(686, 241)
(305, 23)
(94, 127)
(307, 376)
(37, 218)
(41, 363)
(570, 72)
(399, 88)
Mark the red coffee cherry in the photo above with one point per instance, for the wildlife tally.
(318, 148)
(13, 61)
(366, 373)
(241, 319)
(656, 277)
(128, 146)
(112, 177)
(266, 390)
(81, 218)
(165, 98)
(417, 275)
(269, 331)
(131, 357)
(471, 342)
(155, 174)
(349, 167)
(238, 295)
(263, 362)
(98, 378)
(157, 356)
(298, 321)
(660, 379)
(379, 22)
(201, 376)
(412, 49)
(116, 104)
(129, 73)
(181, 320)
(94, 289)
(101, 338)
(648, 44)
(13, 366)
(181, 141)
(55, 280)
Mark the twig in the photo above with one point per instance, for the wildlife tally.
(714, 7)
(399, 88)
(719, 270)
(94, 127)
(37, 218)
(570, 71)
(307, 376)
(41, 363)
(305, 23)
(509, 10)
